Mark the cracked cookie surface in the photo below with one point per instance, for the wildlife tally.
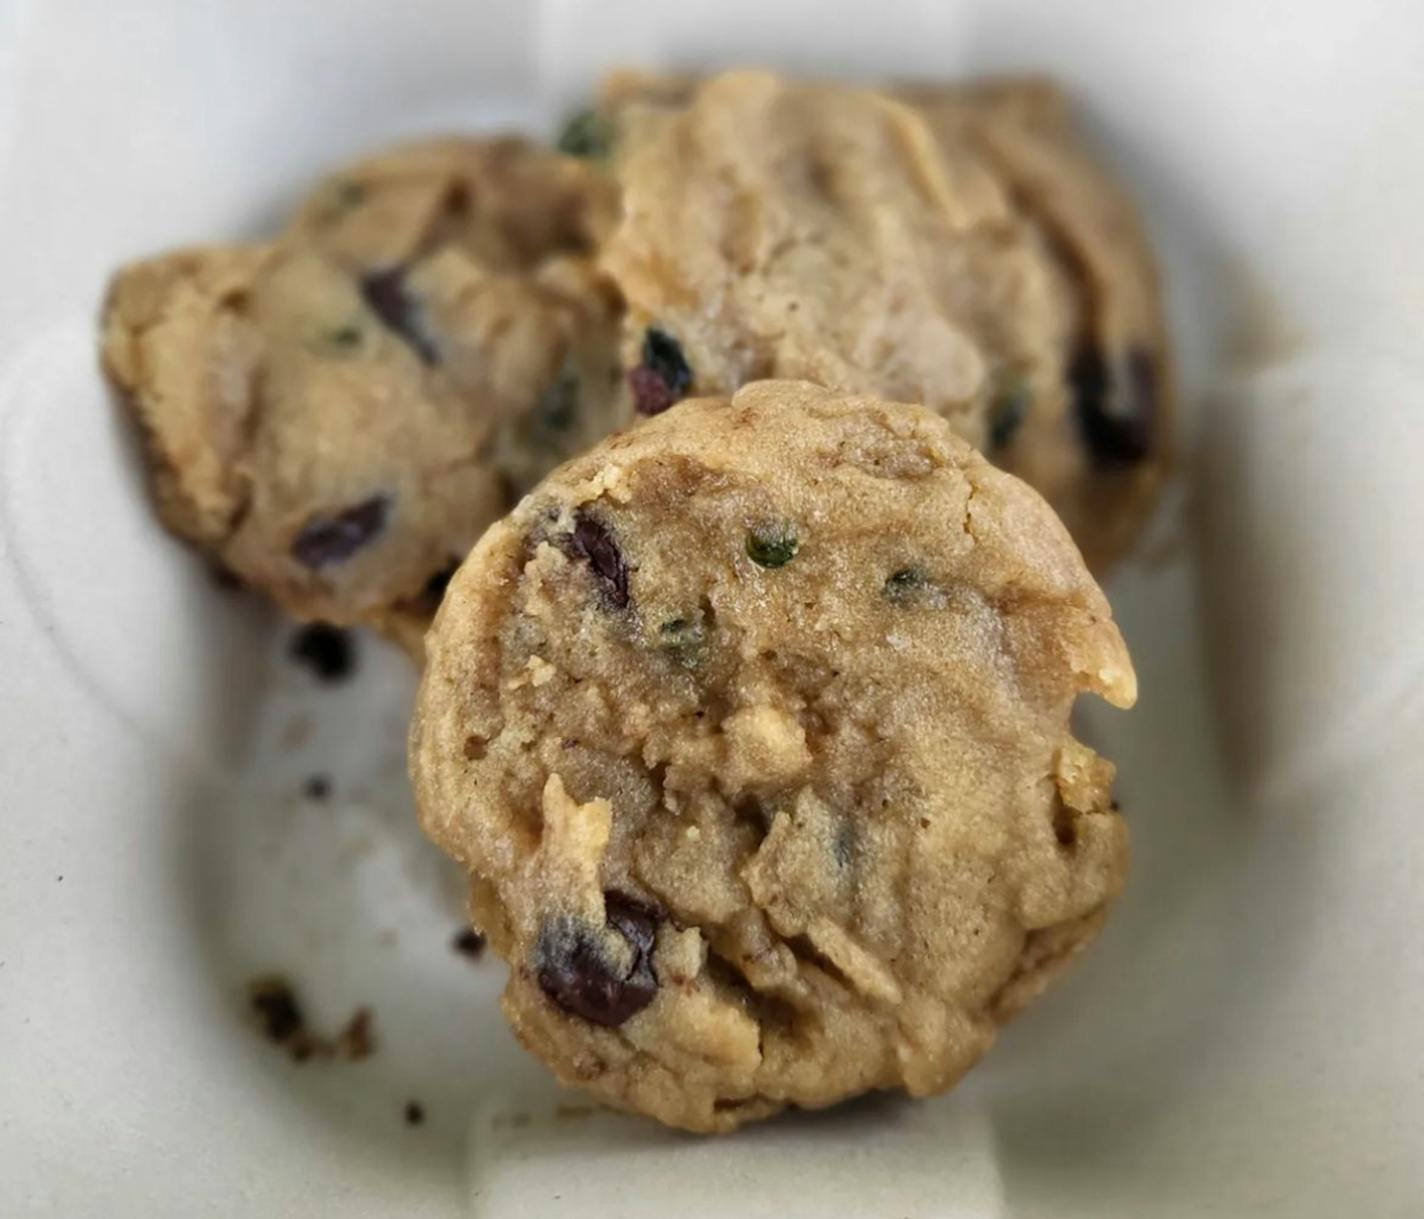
(956, 247)
(751, 728)
(335, 415)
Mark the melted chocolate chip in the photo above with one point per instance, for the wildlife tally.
(328, 651)
(575, 972)
(592, 542)
(325, 540)
(385, 295)
(663, 377)
(1116, 408)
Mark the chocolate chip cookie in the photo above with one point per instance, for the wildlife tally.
(751, 726)
(954, 247)
(335, 415)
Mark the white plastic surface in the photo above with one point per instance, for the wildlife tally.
(1246, 1038)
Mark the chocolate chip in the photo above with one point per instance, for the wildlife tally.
(591, 541)
(328, 651)
(414, 1113)
(663, 377)
(586, 134)
(651, 396)
(434, 591)
(575, 972)
(469, 943)
(318, 787)
(385, 295)
(1116, 409)
(325, 540)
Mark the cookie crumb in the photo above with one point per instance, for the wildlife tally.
(276, 1010)
(469, 943)
(356, 1041)
(317, 787)
(328, 652)
(414, 1113)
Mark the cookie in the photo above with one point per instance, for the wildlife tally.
(751, 727)
(956, 248)
(1091, 430)
(336, 415)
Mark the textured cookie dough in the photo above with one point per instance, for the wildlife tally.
(337, 414)
(955, 247)
(751, 727)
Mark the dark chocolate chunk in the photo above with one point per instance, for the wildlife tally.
(591, 541)
(469, 943)
(328, 651)
(325, 540)
(773, 545)
(385, 295)
(586, 134)
(1116, 408)
(434, 591)
(663, 377)
(575, 972)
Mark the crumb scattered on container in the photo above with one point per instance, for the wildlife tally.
(329, 652)
(276, 1010)
(469, 943)
(414, 1113)
(570, 1113)
(317, 787)
(357, 1040)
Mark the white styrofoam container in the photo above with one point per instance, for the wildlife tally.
(1247, 1037)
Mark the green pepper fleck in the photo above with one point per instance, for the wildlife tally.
(586, 134)
(903, 584)
(341, 340)
(772, 545)
(683, 639)
(559, 403)
(1009, 411)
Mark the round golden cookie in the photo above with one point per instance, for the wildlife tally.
(337, 414)
(955, 247)
(751, 726)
